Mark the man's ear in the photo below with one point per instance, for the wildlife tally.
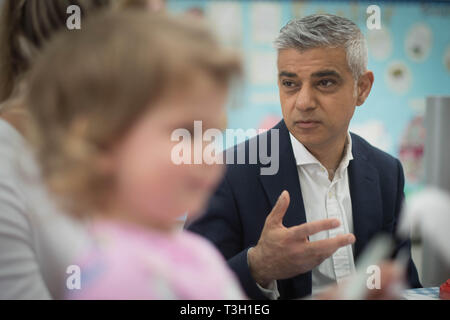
(365, 83)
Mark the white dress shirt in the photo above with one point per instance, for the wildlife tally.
(324, 199)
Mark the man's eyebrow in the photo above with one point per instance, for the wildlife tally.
(287, 74)
(325, 73)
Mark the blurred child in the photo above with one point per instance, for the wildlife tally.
(106, 102)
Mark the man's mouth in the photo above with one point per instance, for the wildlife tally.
(307, 124)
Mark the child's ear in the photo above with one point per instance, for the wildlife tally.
(365, 83)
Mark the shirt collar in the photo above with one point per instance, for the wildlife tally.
(303, 156)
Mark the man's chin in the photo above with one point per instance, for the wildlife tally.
(308, 137)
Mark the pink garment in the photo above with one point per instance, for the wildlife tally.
(130, 262)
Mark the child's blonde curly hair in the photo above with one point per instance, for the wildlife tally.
(91, 86)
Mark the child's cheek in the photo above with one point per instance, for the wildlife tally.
(201, 182)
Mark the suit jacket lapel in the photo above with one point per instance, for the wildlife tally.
(285, 179)
(365, 196)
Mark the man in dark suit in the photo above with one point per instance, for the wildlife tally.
(339, 190)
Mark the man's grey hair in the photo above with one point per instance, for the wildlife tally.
(326, 30)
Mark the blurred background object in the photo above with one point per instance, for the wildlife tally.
(435, 269)
(428, 212)
(437, 151)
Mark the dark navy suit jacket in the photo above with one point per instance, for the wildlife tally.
(237, 211)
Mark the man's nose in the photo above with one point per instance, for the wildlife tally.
(305, 100)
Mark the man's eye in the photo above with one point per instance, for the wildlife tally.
(326, 83)
(288, 83)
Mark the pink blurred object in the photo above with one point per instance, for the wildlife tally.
(269, 122)
(132, 262)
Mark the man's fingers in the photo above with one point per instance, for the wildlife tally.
(279, 209)
(329, 246)
(307, 229)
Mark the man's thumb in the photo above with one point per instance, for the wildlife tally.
(280, 207)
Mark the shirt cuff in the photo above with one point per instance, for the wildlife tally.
(271, 292)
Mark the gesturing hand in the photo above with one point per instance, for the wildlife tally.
(283, 253)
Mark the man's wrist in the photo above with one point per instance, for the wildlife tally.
(255, 268)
